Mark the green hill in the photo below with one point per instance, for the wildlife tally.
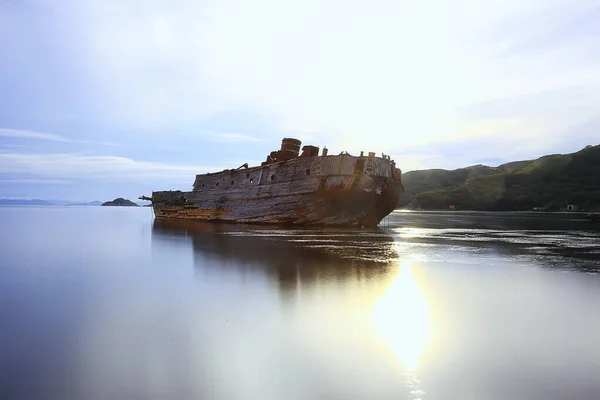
(552, 181)
(416, 182)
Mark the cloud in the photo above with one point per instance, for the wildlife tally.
(547, 29)
(35, 181)
(460, 152)
(369, 76)
(18, 133)
(572, 99)
(386, 73)
(234, 137)
(78, 166)
(26, 134)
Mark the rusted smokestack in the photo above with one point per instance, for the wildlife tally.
(325, 151)
(291, 145)
(310, 151)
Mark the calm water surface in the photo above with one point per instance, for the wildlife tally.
(99, 303)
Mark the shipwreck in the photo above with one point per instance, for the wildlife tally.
(291, 187)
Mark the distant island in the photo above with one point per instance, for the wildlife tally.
(120, 202)
(550, 183)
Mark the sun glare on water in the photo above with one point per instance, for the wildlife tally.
(401, 318)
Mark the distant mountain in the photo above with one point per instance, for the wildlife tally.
(38, 202)
(91, 204)
(23, 202)
(120, 202)
(551, 182)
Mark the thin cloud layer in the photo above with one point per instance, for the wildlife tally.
(25, 134)
(94, 167)
(35, 181)
(19, 133)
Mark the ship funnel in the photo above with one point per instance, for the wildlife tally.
(310, 151)
(290, 145)
(289, 149)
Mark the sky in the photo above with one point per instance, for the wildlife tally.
(103, 98)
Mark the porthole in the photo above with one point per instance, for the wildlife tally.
(272, 177)
(308, 171)
(251, 180)
(217, 184)
(203, 185)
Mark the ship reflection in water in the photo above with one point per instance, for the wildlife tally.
(343, 287)
(300, 256)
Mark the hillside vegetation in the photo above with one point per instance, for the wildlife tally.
(552, 182)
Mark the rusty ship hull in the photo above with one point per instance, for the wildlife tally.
(288, 188)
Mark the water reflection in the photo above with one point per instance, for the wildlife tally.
(329, 282)
(96, 309)
(557, 242)
(293, 257)
(402, 318)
